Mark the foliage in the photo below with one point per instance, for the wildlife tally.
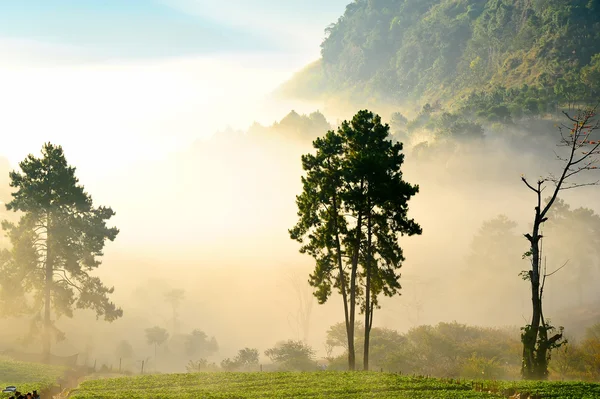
(442, 350)
(198, 344)
(441, 48)
(245, 360)
(568, 362)
(591, 352)
(156, 335)
(579, 360)
(318, 384)
(293, 126)
(28, 376)
(383, 342)
(352, 210)
(56, 244)
(477, 367)
(292, 355)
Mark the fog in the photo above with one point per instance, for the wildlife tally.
(204, 205)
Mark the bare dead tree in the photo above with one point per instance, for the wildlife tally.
(581, 155)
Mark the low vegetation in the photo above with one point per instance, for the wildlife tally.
(318, 384)
(27, 376)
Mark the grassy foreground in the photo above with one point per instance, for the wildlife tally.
(328, 384)
(27, 376)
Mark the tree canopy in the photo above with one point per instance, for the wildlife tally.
(56, 244)
(352, 210)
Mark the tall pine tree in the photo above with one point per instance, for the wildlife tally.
(55, 245)
(351, 212)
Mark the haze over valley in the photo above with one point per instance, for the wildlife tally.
(190, 121)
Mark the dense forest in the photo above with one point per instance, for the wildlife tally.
(513, 56)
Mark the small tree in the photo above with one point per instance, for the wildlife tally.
(246, 359)
(292, 355)
(198, 344)
(124, 350)
(156, 336)
(539, 337)
(591, 349)
(56, 244)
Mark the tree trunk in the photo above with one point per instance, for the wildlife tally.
(535, 337)
(368, 295)
(47, 323)
(343, 286)
(530, 335)
(351, 351)
(46, 333)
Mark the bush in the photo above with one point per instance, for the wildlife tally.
(292, 356)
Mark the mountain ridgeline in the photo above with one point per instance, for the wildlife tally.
(459, 51)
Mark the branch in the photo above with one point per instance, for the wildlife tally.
(597, 182)
(550, 274)
(69, 283)
(529, 185)
(66, 279)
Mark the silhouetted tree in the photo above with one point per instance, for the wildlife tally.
(56, 243)
(376, 194)
(581, 155)
(352, 210)
(321, 221)
(156, 336)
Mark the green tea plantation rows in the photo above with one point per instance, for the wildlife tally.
(317, 385)
(27, 376)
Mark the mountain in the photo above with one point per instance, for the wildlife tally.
(458, 52)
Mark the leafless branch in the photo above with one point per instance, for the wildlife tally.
(529, 185)
(550, 274)
(597, 182)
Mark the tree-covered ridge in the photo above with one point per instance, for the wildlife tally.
(403, 49)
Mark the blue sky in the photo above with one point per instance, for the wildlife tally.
(162, 28)
(138, 81)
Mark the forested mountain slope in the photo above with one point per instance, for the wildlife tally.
(429, 50)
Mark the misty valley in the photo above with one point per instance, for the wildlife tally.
(420, 221)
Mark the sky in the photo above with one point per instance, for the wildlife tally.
(112, 75)
(116, 29)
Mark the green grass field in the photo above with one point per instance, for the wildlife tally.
(317, 385)
(27, 376)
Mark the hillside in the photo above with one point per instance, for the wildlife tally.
(444, 50)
